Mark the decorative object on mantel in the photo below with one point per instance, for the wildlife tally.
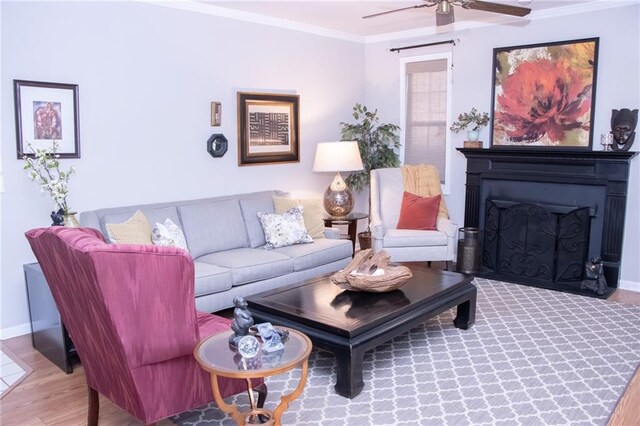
(268, 130)
(216, 114)
(43, 165)
(377, 143)
(338, 157)
(543, 94)
(606, 140)
(369, 271)
(47, 113)
(476, 121)
(594, 276)
(623, 126)
(217, 145)
(472, 144)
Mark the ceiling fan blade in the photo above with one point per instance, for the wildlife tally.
(497, 8)
(445, 18)
(397, 10)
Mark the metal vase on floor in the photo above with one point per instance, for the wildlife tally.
(469, 250)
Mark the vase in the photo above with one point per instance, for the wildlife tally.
(473, 135)
(69, 220)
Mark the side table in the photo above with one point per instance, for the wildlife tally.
(216, 356)
(48, 334)
(351, 220)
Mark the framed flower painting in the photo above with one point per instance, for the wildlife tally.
(544, 95)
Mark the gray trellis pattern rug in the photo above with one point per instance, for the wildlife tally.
(533, 357)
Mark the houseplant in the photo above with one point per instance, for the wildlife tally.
(377, 144)
(44, 169)
(473, 120)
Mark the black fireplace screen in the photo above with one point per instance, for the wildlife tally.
(547, 243)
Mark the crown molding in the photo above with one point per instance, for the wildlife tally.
(207, 9)
(223, 12)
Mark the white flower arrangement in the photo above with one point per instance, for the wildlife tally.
(44, 169)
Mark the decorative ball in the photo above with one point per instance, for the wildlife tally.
(248, 346)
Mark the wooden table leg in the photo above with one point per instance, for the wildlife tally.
(349, 382)
(286, 399)
(353, 228)
(466, 312)
(230, 409)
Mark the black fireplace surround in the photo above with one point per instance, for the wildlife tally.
(544, 212)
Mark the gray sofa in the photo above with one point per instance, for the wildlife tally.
(225, 239)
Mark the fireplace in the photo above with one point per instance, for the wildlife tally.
(544, 213)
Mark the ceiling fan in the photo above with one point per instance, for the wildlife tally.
(444, 10)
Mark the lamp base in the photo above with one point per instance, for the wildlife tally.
(338, 203)
(338, 198)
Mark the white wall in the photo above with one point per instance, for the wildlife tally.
(146, 77)
(618, 86)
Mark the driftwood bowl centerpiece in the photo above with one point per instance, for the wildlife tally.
(372, 272)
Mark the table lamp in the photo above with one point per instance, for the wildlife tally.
(338, 157)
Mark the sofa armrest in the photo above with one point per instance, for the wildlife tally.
(332, 233)
(445, 225)
(377, 229)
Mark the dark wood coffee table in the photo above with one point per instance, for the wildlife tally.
(351, 323)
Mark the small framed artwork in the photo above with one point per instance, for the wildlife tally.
(544, 95)
(268, 130)
(216, 114)
(46, 112)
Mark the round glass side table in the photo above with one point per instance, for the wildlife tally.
(215, 355)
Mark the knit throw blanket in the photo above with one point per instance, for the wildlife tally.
(423, 180)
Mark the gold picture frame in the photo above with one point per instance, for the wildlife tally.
(216, 114)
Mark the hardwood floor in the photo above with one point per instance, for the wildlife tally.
(51, 397)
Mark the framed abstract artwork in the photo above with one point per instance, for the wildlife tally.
(268, 131)
(544, 95)
(46, 112)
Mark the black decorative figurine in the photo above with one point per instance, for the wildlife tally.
(242, 320)
(594, 276)
(57, 218)
(623, 126)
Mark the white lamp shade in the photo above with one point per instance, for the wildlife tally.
(341, 156)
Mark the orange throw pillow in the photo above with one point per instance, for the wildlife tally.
(418, 212)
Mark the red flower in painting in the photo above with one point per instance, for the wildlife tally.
(542, 98)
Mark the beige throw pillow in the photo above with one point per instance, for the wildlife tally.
(136, 230)
(311, 213)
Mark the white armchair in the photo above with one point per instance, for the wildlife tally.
(404, 245)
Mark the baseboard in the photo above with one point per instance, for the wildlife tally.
(629, 285)
(17, 330)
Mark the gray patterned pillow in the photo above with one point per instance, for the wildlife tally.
(168, 234)
(284, 229)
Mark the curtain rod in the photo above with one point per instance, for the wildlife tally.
(398, 49)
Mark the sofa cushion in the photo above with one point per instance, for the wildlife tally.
(414, 238)
(153, 215)
(418, 212)
(286, 229)
(135, 230)
(248, 265)
(213, 227)
(311, 213)
(168, 234)
(250, 208)
(211, 278)
(321, 252)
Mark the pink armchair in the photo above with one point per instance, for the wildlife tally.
(130, 311)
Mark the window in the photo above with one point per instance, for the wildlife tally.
(425, 110)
